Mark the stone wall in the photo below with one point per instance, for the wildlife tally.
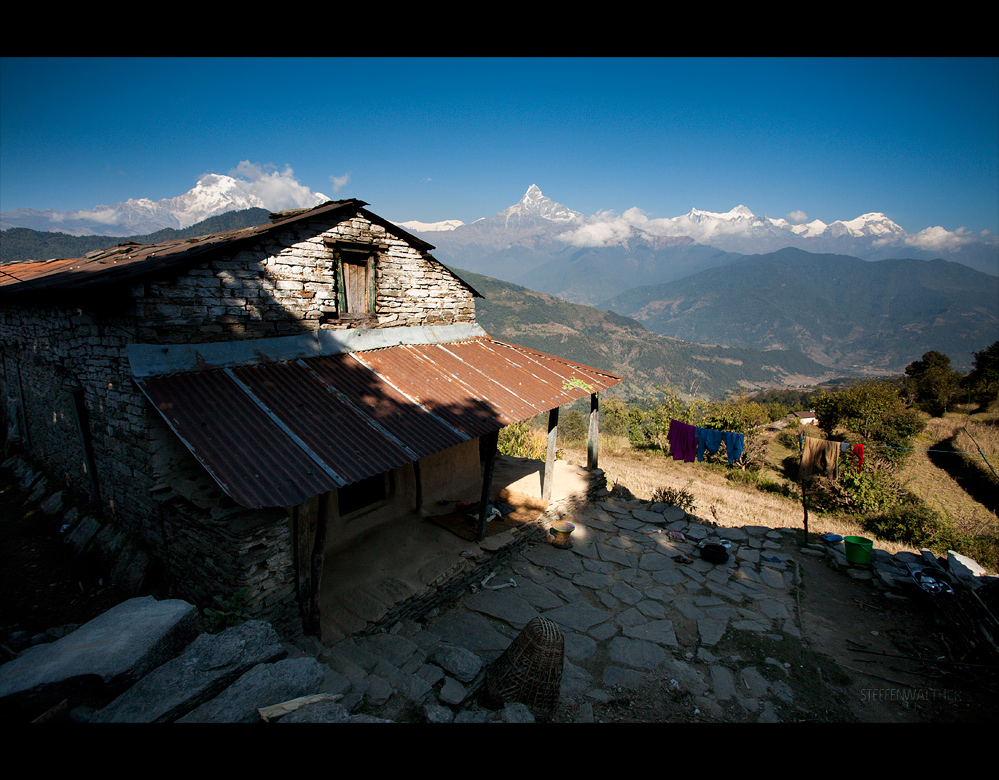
(289, 286)
(54, 353)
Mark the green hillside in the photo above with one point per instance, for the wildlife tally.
(842, 311)
(623, 346)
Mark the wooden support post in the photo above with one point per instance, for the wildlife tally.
(487, 447)
(804, 500)
(419, 486)
(546, 490)
(83, 426)
(804, 504)
(322, 519)
(594, 437)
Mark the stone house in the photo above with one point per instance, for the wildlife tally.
(248, 402)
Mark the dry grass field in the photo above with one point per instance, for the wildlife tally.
(719, 499)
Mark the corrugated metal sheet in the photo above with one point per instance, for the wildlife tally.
(278, 433)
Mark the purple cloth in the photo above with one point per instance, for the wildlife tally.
(682, 440)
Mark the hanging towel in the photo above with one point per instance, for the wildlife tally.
(817, 454)
(682, 438)
(734, 444)
(858, 454)
(709, 440)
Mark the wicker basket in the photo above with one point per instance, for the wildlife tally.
(530, 669)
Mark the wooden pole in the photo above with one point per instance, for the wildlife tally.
(489, 442)
(594, 437)
(804, 501)
(419, 486)
(318, 557)
(804, 505)
(546, 490)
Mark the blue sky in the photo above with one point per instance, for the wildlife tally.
(431, 139)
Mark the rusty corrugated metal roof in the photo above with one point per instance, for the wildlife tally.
(278, 433)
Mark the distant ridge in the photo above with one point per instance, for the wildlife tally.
(841, 311)
(19, 245)
(619, 344)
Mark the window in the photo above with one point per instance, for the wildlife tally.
(365, 494)
(354, 266)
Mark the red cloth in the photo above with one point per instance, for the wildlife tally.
(858, 454)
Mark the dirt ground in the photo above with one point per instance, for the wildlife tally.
(854, 662)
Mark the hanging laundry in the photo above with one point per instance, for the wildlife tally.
(858, 453)
(708, 439)
(735, 443)
(817, 454)
(682, 438)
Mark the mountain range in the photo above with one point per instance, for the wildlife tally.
(214, 194)
(549, 247)
(857, 295)
(843, 312)
(606, 340)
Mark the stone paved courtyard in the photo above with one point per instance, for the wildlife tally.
(630, 610)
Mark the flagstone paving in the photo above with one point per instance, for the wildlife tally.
(630, 610)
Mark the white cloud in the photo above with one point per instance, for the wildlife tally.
(938, 239)
(797, 217)
(277, 190)
(339, 182)
(606, 228)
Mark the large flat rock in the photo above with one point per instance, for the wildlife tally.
(210, 664)
(100, 659)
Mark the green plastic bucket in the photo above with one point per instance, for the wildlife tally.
(858, 549)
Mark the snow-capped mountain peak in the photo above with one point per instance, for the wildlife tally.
(431, 227)
(534, 204)
(213, 194)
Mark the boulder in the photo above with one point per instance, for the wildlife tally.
(263, 686)
(99, 660)
(204, 669)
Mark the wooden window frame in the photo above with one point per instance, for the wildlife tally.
(347, 259)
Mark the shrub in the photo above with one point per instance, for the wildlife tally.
(681, 497)
(230, 612)
(522, 440)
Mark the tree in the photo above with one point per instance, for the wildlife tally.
(933, 382)
(875, 410)
(983, 380)
(614, 416)
(830, 411)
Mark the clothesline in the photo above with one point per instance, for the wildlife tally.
(892, 447)
(688, 442)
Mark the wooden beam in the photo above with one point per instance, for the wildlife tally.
(487, 446)
(322, 519)
(594, 434)
(419, 486)
(546, 490)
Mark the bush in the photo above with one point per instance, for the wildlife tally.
(233, 611)
(874, 490)
(680, 497)
(522, 440)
